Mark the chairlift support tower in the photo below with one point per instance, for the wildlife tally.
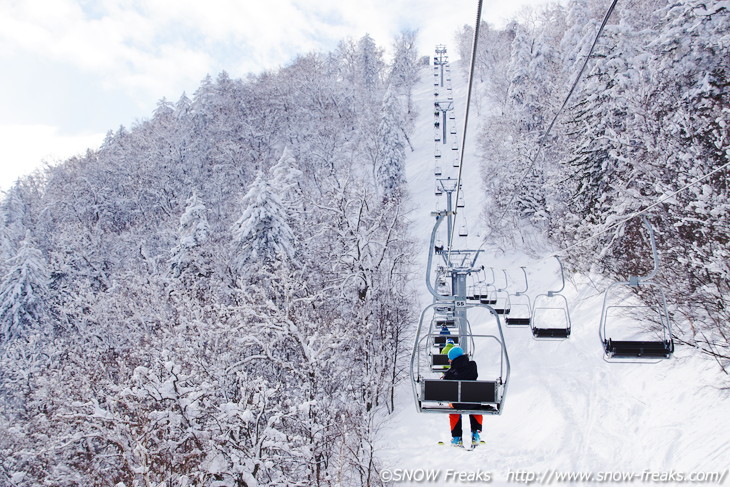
(443, 107)
(441, 60)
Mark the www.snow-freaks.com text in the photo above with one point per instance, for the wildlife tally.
(551, 476)
(548, 477)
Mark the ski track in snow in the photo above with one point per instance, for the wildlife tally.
(566, 410)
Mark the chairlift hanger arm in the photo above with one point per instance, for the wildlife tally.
(655, 254)
(562, 278)
(527, 285)
(439, 218)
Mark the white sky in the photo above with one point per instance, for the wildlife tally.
(74, 69)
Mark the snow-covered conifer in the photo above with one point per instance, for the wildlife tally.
(23, 291)
(262, 235)
(192, 235)
(390, 168)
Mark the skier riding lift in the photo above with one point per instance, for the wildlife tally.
(462, 369)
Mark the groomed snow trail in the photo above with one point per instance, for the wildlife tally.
(567, 410)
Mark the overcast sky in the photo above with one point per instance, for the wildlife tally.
(73, 69)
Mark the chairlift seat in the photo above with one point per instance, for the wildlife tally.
(465, 392)
(447, 322)
(551, 332)
(518, 321)
(639, 349)
(440, 340)
(440, 361)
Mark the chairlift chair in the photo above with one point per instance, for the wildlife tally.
(550, 308)
(487, 290)
(638, 350)
(503, 305)
(435, 395)
(460, 200)
(520, 306)
(463, 231)
(438, 247)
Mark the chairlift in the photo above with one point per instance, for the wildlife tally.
(661, 348)
(454, 146)
(443, 287)
(502, 305)
(437, 169)
(438, 191)
(488, 291)
(463, 231)
(438, 247)
(472, 292)
(460, 200)
(435, 395)
(520, 306)
(550, 315)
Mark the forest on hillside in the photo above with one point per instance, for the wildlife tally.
(648, 118)
(217, 295)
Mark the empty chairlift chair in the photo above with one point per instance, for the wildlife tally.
(503, 305)
(437, 167)
(550, 315)
(488, 293)
(616, 303)
(460, 200)
(520, 306)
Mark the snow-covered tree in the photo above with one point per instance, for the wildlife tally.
(390, 165)
(405, 68)
(262, 235)
(23, 292)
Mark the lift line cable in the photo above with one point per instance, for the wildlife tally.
(640, 212)
(541, 142)
(466, 120)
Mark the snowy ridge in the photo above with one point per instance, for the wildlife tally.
(567, 410)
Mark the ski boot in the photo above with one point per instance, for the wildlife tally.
(475, 439)
(456, 442)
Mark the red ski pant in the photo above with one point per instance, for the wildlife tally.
(475, 421)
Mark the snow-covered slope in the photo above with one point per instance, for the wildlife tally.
(567, 410)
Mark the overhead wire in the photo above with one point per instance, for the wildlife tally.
(466, 120)
(642, 211)
(541, 142)
(543, 138)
